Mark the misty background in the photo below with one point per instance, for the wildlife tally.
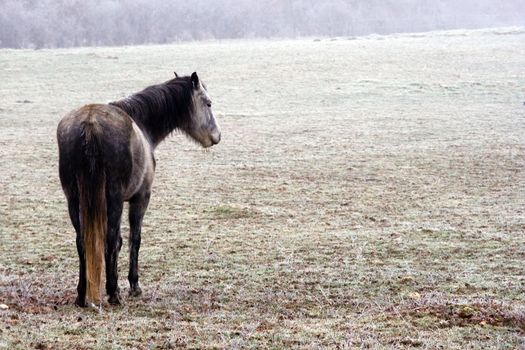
(66, 23)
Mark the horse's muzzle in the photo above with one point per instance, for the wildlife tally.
(215, 138)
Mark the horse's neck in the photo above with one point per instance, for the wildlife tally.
(159, 109)
(152, 126)
(155, 134)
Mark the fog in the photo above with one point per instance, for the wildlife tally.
(65, 23)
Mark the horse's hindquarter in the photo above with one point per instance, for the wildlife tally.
(117, 137)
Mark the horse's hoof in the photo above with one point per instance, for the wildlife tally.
(80, 302)
(115, 299)
(135, 292)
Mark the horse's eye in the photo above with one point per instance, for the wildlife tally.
(208, 104)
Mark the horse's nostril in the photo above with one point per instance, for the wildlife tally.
(215, 137)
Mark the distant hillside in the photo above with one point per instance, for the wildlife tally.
(65, 23)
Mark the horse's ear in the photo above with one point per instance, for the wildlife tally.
(176, 75)
(195, 80)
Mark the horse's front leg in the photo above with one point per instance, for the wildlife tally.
(137, 207)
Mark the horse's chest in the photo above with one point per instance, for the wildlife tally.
(143, 167)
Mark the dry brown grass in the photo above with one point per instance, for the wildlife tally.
(366, 194)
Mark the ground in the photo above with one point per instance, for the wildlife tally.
(367, 193)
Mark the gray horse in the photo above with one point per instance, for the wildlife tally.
(106, 158)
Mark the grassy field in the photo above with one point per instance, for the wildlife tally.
(367, 193)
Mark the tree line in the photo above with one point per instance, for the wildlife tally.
(66, 23)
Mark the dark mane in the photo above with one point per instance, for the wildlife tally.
(159, 109)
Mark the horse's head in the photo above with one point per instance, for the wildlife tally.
(203, 127)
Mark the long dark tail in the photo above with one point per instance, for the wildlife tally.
(91, 181)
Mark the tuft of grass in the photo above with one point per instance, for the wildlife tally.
(226, 212)
(481, 313)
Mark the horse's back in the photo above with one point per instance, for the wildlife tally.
(108, 126)
(112, 121)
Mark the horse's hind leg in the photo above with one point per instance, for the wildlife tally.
(73, 207)
(113, 245)
(137, 207)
